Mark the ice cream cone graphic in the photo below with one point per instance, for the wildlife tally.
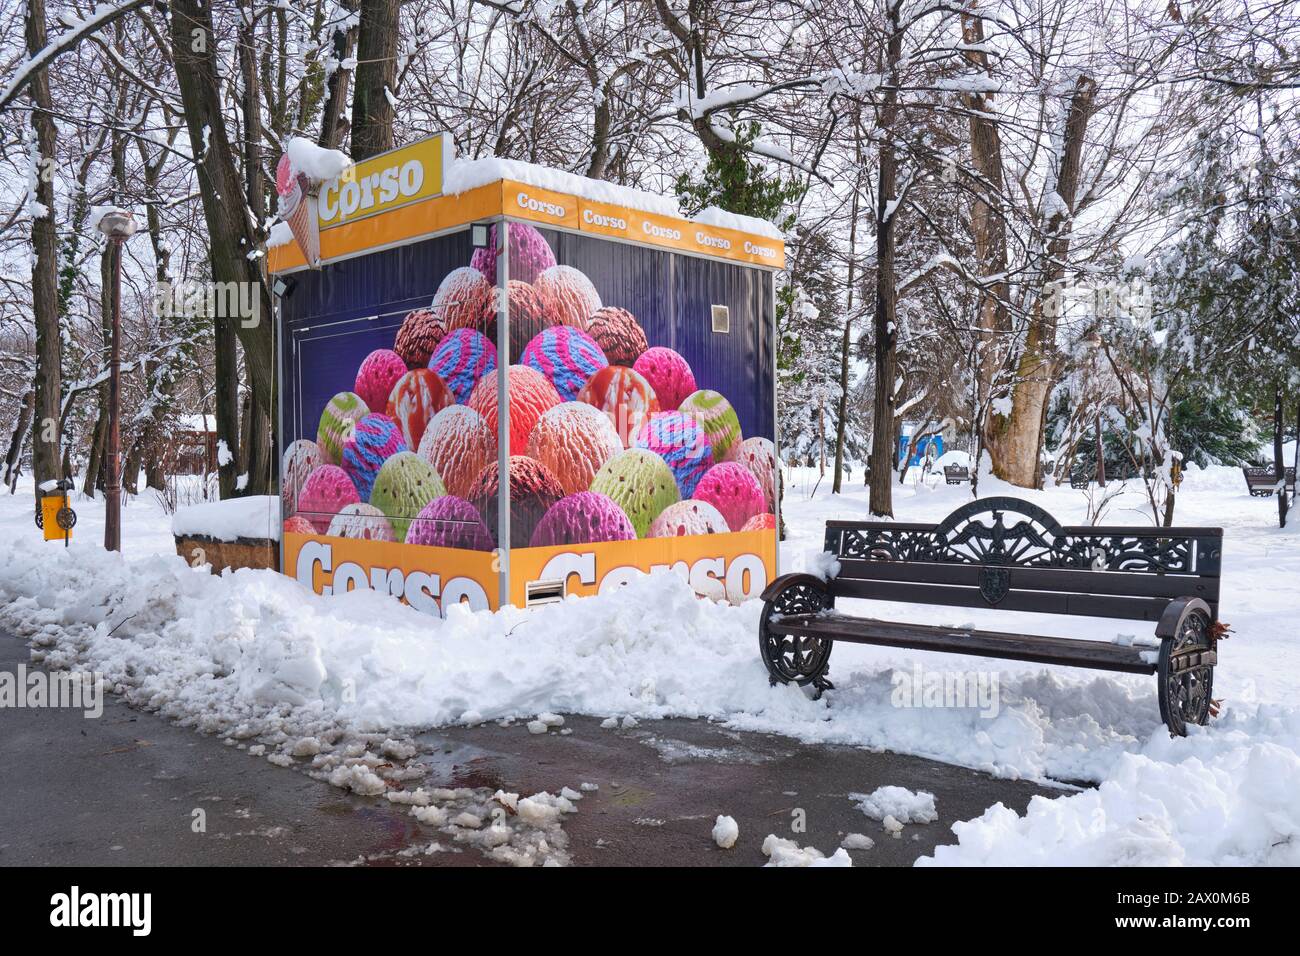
(298, 208)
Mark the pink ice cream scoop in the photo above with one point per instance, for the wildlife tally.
(569, 295)
(466, 299)
(731, 489)
(688, 517)
(298, 525)
(530, 255)
(450, 522)
(759, 456)
(583, 518)
(458, 444)
(764, 522)
(301, 458)
(573, 440)
(668, 374)
(531, 394)
(376, 377)
(327, 490)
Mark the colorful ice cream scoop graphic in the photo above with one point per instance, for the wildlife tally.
(573, 440)
(297, 524)
(374, 440)
(759, 456)
(466, 299)
(530, 255)
(419, 335)
(462, 359)
(416, 397)
(450, 522)
(376, 377)
(404, 485)
(297, 207)
(341, 413)
(531, 394)
(731, 489)
(583, 518)
(679, 440)
(569, 295)
(458, 444)
(528, 316)
(300, 459)
(567, 356)
(533, 489)
(362, 522)
(623, 395)
(668, 374)
(325, 493)
(764, 522)
(718, 419)
(618, 334)
(688, 517)
(640, 483)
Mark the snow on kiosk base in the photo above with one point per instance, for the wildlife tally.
(392, 228)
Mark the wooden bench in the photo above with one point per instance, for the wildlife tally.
(1011, 555)
(1262, 480)
(956, 474)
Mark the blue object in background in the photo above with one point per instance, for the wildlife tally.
(904, 441)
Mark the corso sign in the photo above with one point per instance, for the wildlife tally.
(385, 182)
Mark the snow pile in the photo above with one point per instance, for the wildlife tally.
(1228, 797)
(725, 832)
(317, 162)
(256, 516)
(897, 802)
(781, 852)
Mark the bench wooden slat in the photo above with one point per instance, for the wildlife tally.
(1038, 579)
(1099, 655)
(1042, 602)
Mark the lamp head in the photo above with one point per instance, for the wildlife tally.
(118, 224)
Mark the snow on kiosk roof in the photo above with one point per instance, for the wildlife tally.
(452, 192)
(613, 359)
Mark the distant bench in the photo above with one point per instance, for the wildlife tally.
(1262, 480)
(1011, 555)
(956, 474)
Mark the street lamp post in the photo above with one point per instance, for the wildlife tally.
(118, 225)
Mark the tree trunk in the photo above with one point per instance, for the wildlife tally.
(372, 113)
(46, 430)
(846, 343)
(1101, 457)
(14, 457)
(231, 233)
(226, 396)
(886, 357)
(1279, 458)
(333, 125)
(1016, 440)
(989, 231)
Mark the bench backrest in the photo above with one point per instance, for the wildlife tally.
(1265, 476)
(1013, 555)
(956, 471)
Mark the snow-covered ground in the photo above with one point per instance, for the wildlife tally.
(253, 655)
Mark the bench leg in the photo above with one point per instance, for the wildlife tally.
(801, 660)
(1185, 672)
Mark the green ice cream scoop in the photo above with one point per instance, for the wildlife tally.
(640, 482)
(404, 485)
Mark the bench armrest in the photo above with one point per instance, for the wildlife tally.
(785, 580)
(1171, 621)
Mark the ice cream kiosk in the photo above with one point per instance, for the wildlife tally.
(501, 384)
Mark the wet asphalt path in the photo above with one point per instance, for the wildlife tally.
(123, 790)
